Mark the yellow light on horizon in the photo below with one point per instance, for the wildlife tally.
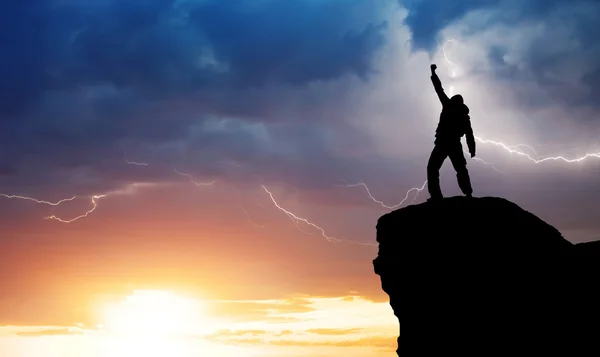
(155, 313)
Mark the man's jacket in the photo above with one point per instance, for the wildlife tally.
(454, 120)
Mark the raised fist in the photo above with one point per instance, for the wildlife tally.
(433, 67)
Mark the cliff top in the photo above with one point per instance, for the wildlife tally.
(459, 224)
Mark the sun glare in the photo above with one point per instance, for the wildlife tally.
(155, 313)
(154, 323)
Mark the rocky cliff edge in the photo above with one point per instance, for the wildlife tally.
(481, 276)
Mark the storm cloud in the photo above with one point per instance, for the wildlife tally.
(307, 93)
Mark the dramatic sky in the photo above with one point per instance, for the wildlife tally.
(186, 133)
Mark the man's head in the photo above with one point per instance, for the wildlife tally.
(457, 99)
(458, 104)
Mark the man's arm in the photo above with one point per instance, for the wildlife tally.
(470, 137)
(437, 84)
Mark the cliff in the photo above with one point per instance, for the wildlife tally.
(480, 276)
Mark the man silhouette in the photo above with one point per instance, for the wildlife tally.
(454, 123)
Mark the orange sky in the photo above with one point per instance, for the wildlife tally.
(183, 326)
(198, 242)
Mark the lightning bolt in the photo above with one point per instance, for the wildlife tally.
(94, 206)
(250, 219)
(414, 189)
(198, 184)
(190, 177)
(298, 219)
(94, 199)
(453, 67)
(135, 163)
(537, 160)
(514, 147)
(484, 162)
(368, 192)
(57, 203)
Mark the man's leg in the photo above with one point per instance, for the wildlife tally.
(436, 159)
(460, 166)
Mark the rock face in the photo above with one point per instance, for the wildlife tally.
(482, 276)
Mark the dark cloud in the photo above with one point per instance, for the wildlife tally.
(84, 82)
(427, 17)
(556, 56)
(198, 85)
(173, 47)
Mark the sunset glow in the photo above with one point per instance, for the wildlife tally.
(155, 323)
(156, 314)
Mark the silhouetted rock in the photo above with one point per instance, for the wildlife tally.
(588, 249)
(481, 276)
